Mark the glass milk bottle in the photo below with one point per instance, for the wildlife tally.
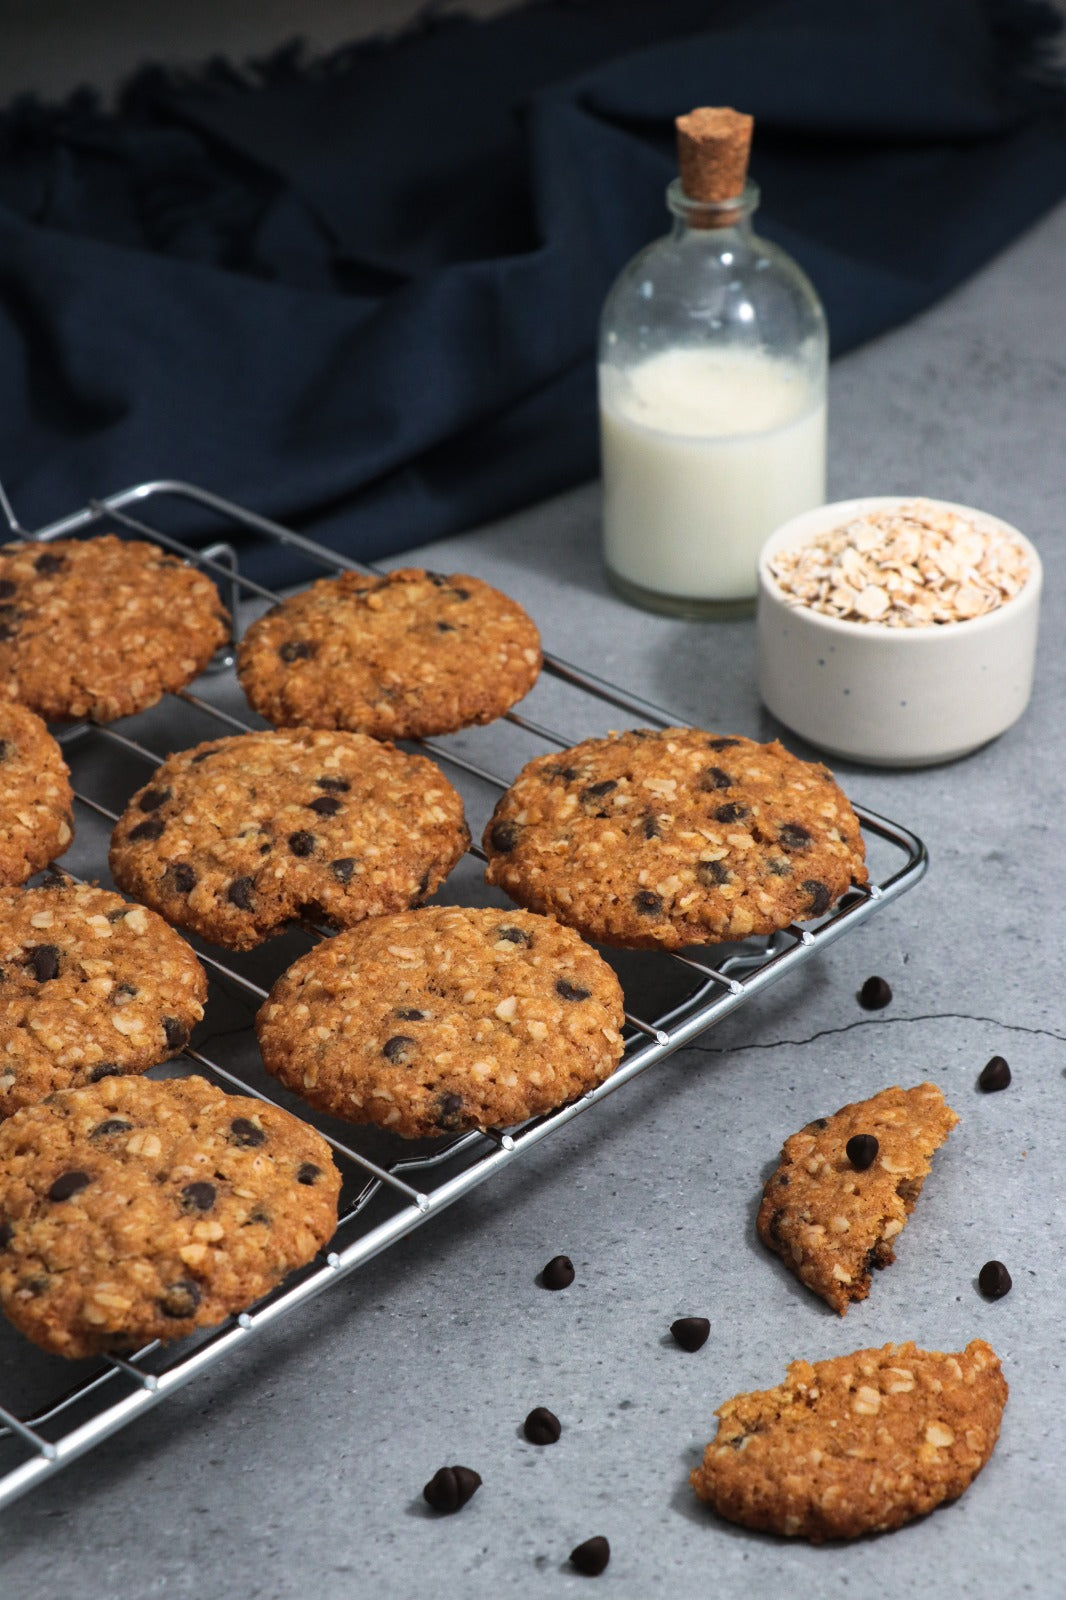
(712, 383)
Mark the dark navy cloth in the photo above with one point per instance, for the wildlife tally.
(361, 295)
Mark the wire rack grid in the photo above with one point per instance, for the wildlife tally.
(389, 1188)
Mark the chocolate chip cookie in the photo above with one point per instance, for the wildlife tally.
(398, 656)
(674, 837)
(36, 818)
(443, 1019)
(102, 627)
(859, 1444)
(237, 837)
(90, 986)
(132, 1210)
(847, 1184)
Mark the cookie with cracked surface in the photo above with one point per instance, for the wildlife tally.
(133, 1210)
(858, 1444)
(102, 627)
(398, 656)
(237, 837)
(444, 1019)
(90, 987)
(36, 816)
(673, 837)
(846, 1185)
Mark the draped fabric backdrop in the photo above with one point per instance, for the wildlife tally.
(360, 295)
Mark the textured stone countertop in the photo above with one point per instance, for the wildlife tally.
(295, 1467)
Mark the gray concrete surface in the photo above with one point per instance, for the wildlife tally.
(297, 1468)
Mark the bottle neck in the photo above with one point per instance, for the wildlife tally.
(711, 216)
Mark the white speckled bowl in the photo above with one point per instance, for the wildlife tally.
(894, 697)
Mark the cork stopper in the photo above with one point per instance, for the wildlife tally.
(713, 143)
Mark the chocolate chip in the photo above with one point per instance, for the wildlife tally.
(44, 959)
(596, 791)
(779, 866)
(244, 1132)
(180, 1299)
(302, 843)
(733, 812)
(713, 778)
(993, 1280)
(819, 896)
(995, 1074)
(343, 868)
(124, 990)
(104, 1130)
(514, 935)
(691, 1333)
(861, 1150)
(721, 744)
(239, 893)
(446, 627)
(449, 1107)
(647, 903)
(337, 785)
(177, 1033)
(570, 991)
(183, 877)
(542, 1426)
(198, 1196)
(152, 799)
(326, 805)
(794, 836)
(461, 594)
(308, 1174)
(409, 1014)
(7, 1233)
(450, 1488)
(399, 1049)
(558, 1274)
(7, 588)
(50, 563)
(503, 836)
(875, 994)
(650, 828)
(567, 774)
(712, 873)
(5, 749)
(591, 1557)
(151, 828)
(437, 579)
(67, 1184)
(105, 1069)
(297, 650)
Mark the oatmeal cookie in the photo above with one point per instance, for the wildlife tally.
(237, 837)
(102, 627)
(443, 1019)
(847, 1184)
(674, 837)
(36, 818)
(132, 1210)
(90, 986)
(859, 1444)
(398, 656)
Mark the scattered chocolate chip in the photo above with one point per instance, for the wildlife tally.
(713, 778)
(514, 935)
(503, 836)
(177, 1033)
(558, 1274)
(244, 1132)
(67, 1184)
(150, 828)
(398, 1049)
(104, 1130)
(49, 564)
(995, 1074)
(326, 805)
(861, 1150)
(542, 1426)
(180, 1299)
(570, 991)
(721, 744)
(409, 1014)
(591, 1557)
(183, 877)
(647, 903)
(650, 828)
(152, 799)
(875, 994)
(44, 959)
(239, 893)
(818, 894)
(733, 812)
(794, 836)
(308, 1174)
(297, 650)
(712, 873)
(198, 1196)
(302, 843)
(993, 1280)
(691, 1333)
(105, 1069)
(450, 1488)
(448, 1108)
(343, 868)
(337, 785)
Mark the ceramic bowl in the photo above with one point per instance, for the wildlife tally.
(889, 696)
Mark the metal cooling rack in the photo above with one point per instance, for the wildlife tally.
(389, 1188)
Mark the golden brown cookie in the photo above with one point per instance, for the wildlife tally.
(674, 837)
(444, 1019)
(846, 1185)
(102, 627)
(398, 656)
(90, 986)
(235, 838)
(132, 1210)
(859, 1444)
(36, 817)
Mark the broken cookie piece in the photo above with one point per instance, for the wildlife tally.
(830, 1217)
